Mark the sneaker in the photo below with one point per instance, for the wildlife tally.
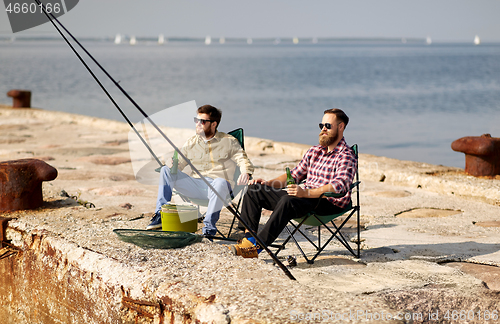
(208, 237)
(155, 222)
(245, 248)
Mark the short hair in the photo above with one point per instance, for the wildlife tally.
(339, 113)
(214, 113)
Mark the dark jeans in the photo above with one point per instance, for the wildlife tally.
(284, 209)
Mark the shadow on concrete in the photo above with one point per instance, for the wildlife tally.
(60, 203)
(441, 252)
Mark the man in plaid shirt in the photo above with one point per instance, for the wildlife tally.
(327, 167)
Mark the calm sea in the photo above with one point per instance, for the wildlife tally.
(406, 101)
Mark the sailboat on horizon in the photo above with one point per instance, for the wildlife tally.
(133, 40)
(208, 40)
(428, 40)
(118, 39)
(477, 41)
(161, 39)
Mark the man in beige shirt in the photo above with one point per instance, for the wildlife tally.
(215, 155)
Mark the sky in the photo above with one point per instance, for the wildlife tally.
(442, 20)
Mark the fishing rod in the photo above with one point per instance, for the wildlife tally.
(230, 207)
(99, 83)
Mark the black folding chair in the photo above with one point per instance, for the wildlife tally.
(328, 223)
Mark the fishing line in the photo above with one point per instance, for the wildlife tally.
(230, 207)
(99, 83)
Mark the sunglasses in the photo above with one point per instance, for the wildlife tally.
(327, 125)
(202, 121)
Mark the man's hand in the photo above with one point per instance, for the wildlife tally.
(297, 191)
(255, 181)
(243, 179)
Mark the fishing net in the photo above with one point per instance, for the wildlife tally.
(157, 239)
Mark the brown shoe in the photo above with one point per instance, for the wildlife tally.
(245, 248)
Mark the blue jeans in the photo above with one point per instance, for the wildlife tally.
(197, 189)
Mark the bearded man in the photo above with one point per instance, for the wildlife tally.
(327, 167)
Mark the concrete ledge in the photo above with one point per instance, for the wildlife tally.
(53, 280)
(435, 178)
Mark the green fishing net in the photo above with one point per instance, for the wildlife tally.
(157, 239)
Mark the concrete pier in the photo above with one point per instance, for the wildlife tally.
(430, 238)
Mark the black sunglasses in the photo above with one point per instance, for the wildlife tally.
(202, 121)
(327, 125)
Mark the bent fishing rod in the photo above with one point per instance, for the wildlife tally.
(230, 207)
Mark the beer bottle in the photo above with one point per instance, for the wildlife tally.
(289, 179)
(175, 163)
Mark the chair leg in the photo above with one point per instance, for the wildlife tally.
(237, 208)
(231, 228)
(359, 236)
(334, 234)
(291, 236)
(337, 234)
(220, 233)
(300, 249)
(307, 238)
(319, 237)
(282, 246)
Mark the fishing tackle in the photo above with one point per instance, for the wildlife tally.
(232, 209)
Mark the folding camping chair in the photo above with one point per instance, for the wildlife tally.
(335, 230)
(238, 134)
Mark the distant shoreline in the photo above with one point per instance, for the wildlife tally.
(10, 38)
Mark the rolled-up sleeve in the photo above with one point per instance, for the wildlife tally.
(299, 173)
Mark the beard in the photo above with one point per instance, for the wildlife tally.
(326, 141)
(202, 133)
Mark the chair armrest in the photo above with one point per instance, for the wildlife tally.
(341, 194)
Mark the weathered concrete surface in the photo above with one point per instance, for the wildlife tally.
(402, 269)
(43, 283)
(53, 280)
(445, 180)
(488, 274)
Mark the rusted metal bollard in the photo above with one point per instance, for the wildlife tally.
(20, 98)
(21, 183)
(482, 154)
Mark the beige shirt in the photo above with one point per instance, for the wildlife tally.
(217, 157)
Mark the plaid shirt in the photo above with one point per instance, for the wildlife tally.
(320, 167)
